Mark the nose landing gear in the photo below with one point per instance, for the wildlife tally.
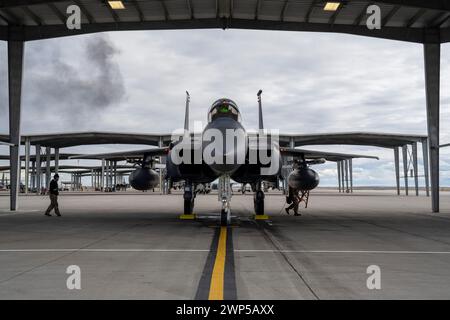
(189, 197)
(258, 201)
(225, 197)
(225, 214)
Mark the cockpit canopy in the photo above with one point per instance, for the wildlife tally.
(224, 108)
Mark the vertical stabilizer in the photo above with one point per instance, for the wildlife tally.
(186, 114)
(261, 124)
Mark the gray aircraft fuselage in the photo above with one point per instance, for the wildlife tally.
(206, 172)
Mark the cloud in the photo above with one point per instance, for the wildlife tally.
(66, 87)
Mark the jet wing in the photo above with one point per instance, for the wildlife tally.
(313, 154)
(125, 155)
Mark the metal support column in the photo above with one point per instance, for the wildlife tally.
(48, 158)
(432, 55)
(350, 168)
(56, 160)
(27, 164)
(397, 169)
(102, 178)
(339, 173)
(342, 176)
(161, 189)
(425, 165)
(15, 67)
(405, 166)
(111, 174)
(415, 167)
(346, 176)
(115, 175)
(33, 175)
(108, 174)
(38, 169)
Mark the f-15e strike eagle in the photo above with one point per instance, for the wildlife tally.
(224, 150)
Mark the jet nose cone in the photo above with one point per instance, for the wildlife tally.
(224, 168)
(224, 145)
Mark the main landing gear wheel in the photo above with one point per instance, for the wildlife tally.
(188, 206)
(259, 202)
(189, 196)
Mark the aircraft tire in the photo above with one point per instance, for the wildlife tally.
(259, 203)
(188, 206)
(259, 207)
(223, 218)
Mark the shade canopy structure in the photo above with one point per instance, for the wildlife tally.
(89, 172)
(382, 140)
(72, 139)
(53, 156)
(66, 167)
(418, 21)
(407, 20)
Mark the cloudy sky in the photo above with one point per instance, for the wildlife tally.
(312, 82)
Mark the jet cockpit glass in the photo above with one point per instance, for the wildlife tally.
(224, 108)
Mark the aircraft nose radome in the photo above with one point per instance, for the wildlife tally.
(224, 168)
(231, 159)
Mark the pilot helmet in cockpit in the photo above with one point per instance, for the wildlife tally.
(224, 108)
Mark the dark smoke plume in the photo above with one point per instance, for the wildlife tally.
(75, 93)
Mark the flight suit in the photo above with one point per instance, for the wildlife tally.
(53, 191)
(294, 201)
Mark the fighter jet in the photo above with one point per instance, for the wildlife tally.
(224, 150)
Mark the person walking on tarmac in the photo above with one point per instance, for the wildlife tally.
(53, 192)
(294, 200)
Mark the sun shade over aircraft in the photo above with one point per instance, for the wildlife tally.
(224, 117)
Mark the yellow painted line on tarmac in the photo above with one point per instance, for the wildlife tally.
(218, 274)
(187, 217)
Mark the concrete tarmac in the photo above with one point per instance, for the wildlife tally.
(133, 246)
